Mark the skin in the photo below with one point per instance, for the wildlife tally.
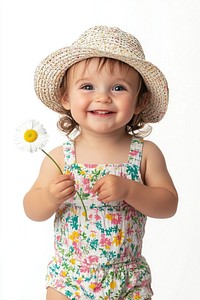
(102, 104)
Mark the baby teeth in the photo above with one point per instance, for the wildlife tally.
(101, 112)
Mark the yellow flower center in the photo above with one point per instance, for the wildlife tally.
(30, 135)
(113, 284)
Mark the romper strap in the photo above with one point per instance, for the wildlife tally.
(69, 152)
(135, 154)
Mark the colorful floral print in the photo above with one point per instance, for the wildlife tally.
(100, 258)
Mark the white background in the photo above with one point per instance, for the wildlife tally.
(169, 32)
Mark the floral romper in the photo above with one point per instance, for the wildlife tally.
(99, 258)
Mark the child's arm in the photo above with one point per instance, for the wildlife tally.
(50, 189)
(157, 197)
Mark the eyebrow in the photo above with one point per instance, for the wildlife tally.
(88, 79)
(123, 79)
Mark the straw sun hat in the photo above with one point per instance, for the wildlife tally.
(102, 41)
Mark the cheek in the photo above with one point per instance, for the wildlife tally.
(79, 102)
(129, 109)
(128, 106)
(77, 108)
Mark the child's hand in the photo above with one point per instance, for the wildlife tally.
(111, 188)
(62, 188)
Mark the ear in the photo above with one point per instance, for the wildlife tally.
(141, 103)
(137, 109)
(65, 101)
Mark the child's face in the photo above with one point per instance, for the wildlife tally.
(101, 99)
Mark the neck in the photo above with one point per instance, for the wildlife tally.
(95, 139)
(102, 148)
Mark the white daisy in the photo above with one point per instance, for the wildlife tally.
(31, 136)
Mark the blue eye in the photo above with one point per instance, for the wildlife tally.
(87, 87)
(119, 88)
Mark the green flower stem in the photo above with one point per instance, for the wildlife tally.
(86, 217)
(53, 161)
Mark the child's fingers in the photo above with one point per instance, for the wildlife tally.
(103, 196)
(68, 192)
(64, 177)
(68, 176)
(97, 186)
(67, 184)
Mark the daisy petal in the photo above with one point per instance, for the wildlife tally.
(31, 136)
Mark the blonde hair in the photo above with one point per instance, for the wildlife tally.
(136, 126)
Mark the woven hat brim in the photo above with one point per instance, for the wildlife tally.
(50, 72)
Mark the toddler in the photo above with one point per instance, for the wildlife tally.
(107, 93)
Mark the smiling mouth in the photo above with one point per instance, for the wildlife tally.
(101, 112)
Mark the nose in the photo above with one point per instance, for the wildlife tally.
(103, 97)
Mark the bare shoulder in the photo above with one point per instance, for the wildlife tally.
(153, 160)
(57, 150)
(49, 170)
(152, 153)
(154, 168)
(58, 154)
